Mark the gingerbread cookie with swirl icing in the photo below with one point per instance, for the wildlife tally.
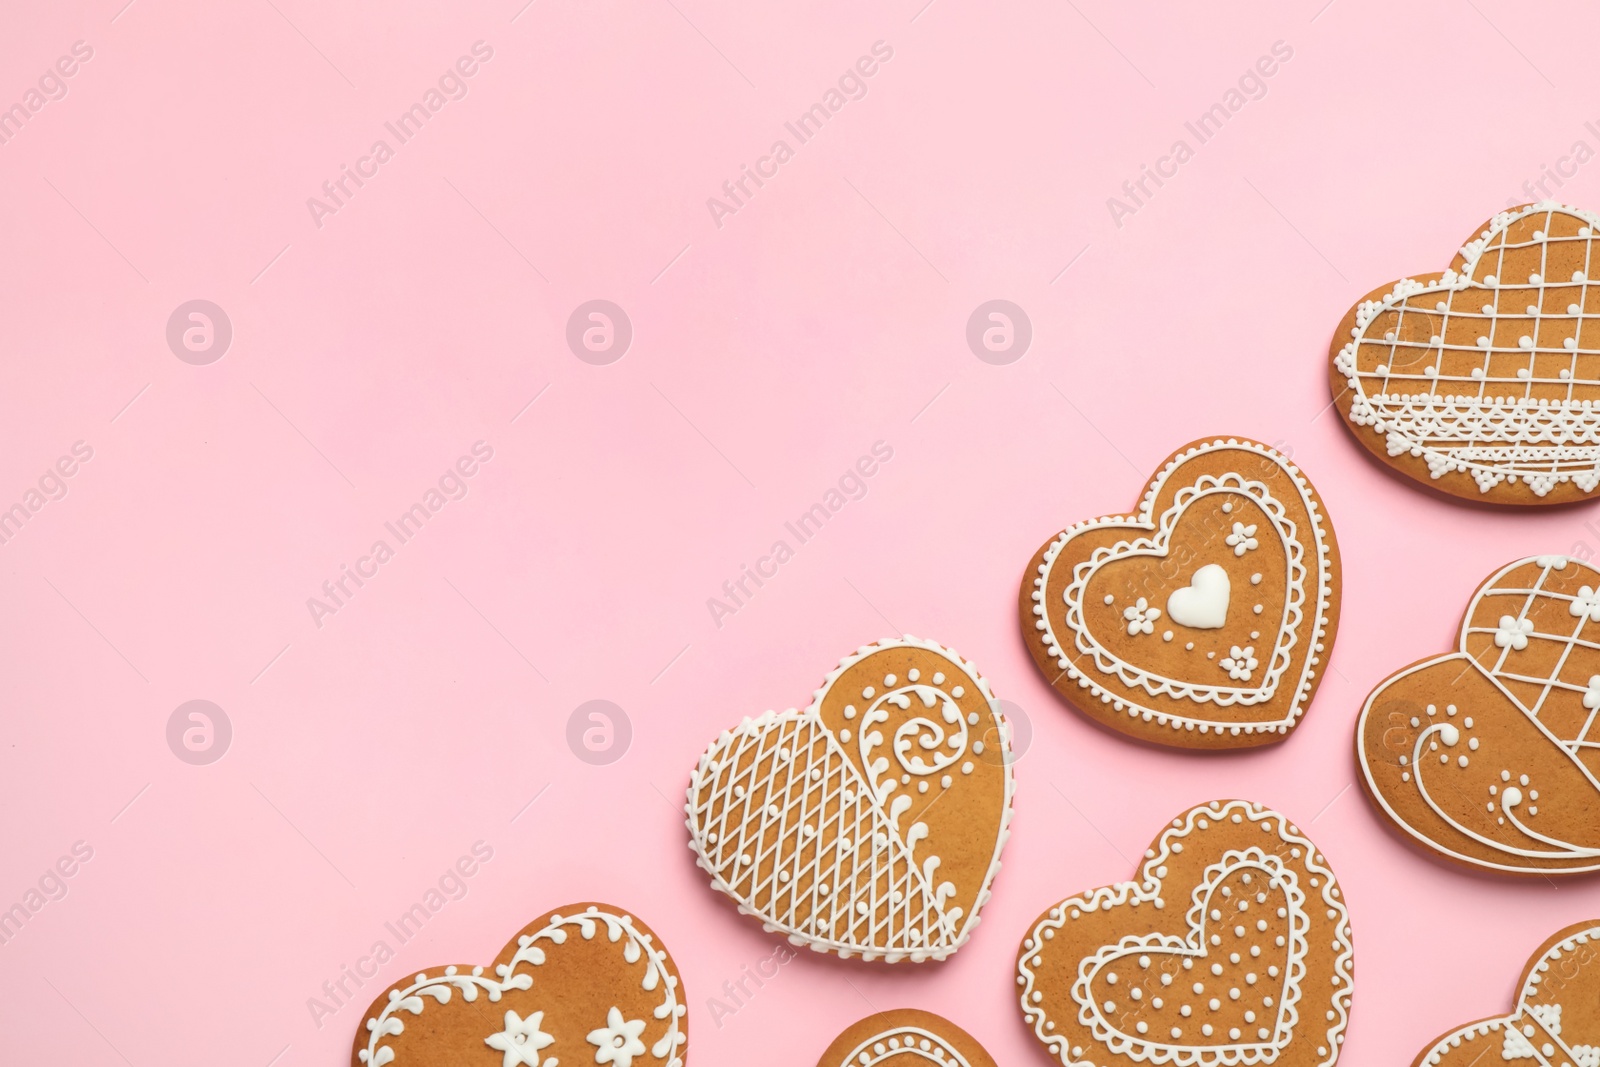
(1483, 381)
(1489, 755)
(1205, 618)
(869, 824)
(905, 1038)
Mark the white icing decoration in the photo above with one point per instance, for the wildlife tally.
(1533, 1031)
(1203, 603)
(1482, 408)
(520, 1040)
(617, 1042)
(1210, 910)
(903, 1041)
(1519, 844)
(863, 843)
(1306, 555)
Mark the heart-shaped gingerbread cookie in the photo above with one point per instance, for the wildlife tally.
(1490, 755)
(870, 823)
(1483, 381)
(585, 984)
(1233, 947)
(1555, 1022)
(905, 1038)
(1203, 619)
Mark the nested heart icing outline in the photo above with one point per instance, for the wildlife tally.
(1308, 893)
(1126, 696)
(1540, 1030)
(1157, 546)
(521, 1037)
(1192, 946)
(1452, 423)
(1467, 737)
(775, 854)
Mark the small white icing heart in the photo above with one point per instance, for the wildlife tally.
(1203, 603)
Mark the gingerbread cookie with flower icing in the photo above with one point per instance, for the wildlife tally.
(1483, 381)
(905, 1038)
(588, 983)
(1489, 755)
(1555, 1021)
(1202, 620)
(870, 824)
(1232, 947)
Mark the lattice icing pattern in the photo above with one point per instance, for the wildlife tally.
(1491, 754)
(1493, 369)
(870, 823)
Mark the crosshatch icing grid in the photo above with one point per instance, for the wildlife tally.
(1492, 369)
(669, 406)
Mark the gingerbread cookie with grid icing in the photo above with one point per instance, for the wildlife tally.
(587, 983)
(1490, 755)
(1483, 381)
(1555, 1021)
(1204, 619)
(871, 823)
(1232, 947)
(905, 1038)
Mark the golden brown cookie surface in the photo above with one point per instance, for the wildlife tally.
(587, 983)
(1232, 947)
(1203, 619)
(1490, 755)
(1556, 1018)
(870, 823)
(905, 1038)
(1483, 381)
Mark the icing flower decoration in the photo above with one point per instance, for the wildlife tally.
(1243, 538)
(1141, 617)
(1586, 602)
(1591, 696)
(522, 1040)
(1513, 633)
(618, 1041)
(1240, 662)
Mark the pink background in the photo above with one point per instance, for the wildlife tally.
(768, 354)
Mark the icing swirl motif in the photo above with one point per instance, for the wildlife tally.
(1493, 370)
(1491, 754)
(1556, 1019)
(521, 1040)
(807, 822)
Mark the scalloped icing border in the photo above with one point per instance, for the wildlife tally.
(863, 1055)
(846, 950)
(387, 1024)
(1157, 545)
(1487, 475)
(1148, 890)
(1536, 973)
(1315, 643)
